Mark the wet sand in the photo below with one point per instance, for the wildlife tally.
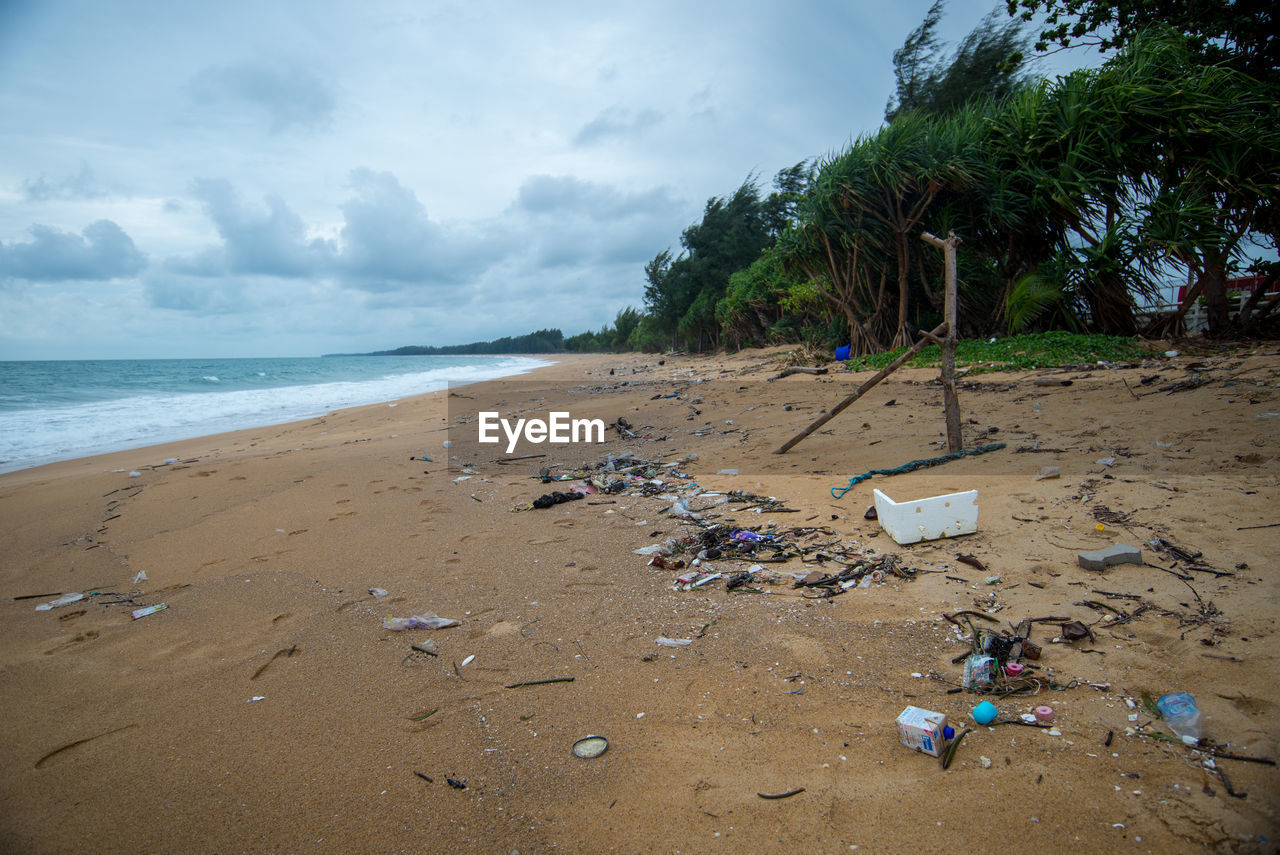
(266, 709)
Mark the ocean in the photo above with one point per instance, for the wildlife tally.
(59, 410)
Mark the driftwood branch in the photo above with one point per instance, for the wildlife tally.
(862, 390)
(798, 369)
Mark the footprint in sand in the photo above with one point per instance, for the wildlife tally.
(202, 474)
(281, 617)
(286, 652)
(70, 616)
(89, 635)
(70, 745)
(297, 531)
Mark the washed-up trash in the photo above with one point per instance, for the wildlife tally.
(681, 509)
(655, 549)
(1074, 630)
(64, 600)
(140, 577)
(742, 535)
(979, 670)
(378, 592)
(1179, 711)
(426, 620)
(788, 794)
(589, 747)
(985, 713)
(555, 498)
(922, 730)
(148, 610)
(663, 563)
(1044, 715)
(928, 519)
(1101, 559)
(673, 642)
(1047, 472)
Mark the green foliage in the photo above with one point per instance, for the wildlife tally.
(682, 293)
(611, 337)
(648, 336)
(542, 341)
(1020, 352)
(1240, 33)
(1038, 298)
(987, 64)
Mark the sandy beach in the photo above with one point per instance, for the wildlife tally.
(266, 709)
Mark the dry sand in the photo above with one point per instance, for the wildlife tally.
(146, 736)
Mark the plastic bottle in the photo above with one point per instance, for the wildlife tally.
(1180, 712)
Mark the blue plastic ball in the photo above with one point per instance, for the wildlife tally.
(985, 712)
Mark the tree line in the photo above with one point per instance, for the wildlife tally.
(1072, 196)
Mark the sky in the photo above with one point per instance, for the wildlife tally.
(300, 177)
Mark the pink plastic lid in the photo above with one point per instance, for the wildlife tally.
(1044, 715)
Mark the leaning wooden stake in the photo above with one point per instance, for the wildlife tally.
(950, 403)
(926, 339)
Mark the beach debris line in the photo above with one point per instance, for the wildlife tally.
(840, 566)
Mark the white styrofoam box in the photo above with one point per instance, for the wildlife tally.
(928, 519)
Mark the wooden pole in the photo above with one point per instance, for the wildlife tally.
(925, 339)
(950, 403)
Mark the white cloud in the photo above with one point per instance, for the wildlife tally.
(101, 251)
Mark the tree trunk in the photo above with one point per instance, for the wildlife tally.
(902, 333)
(1215, 295)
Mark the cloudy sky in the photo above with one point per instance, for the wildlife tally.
(304, 177)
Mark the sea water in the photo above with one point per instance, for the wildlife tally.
(58, 410)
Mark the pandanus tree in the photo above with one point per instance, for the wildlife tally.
(1209, 173)
(860, 222)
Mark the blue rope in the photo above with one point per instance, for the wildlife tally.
(838, 492)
